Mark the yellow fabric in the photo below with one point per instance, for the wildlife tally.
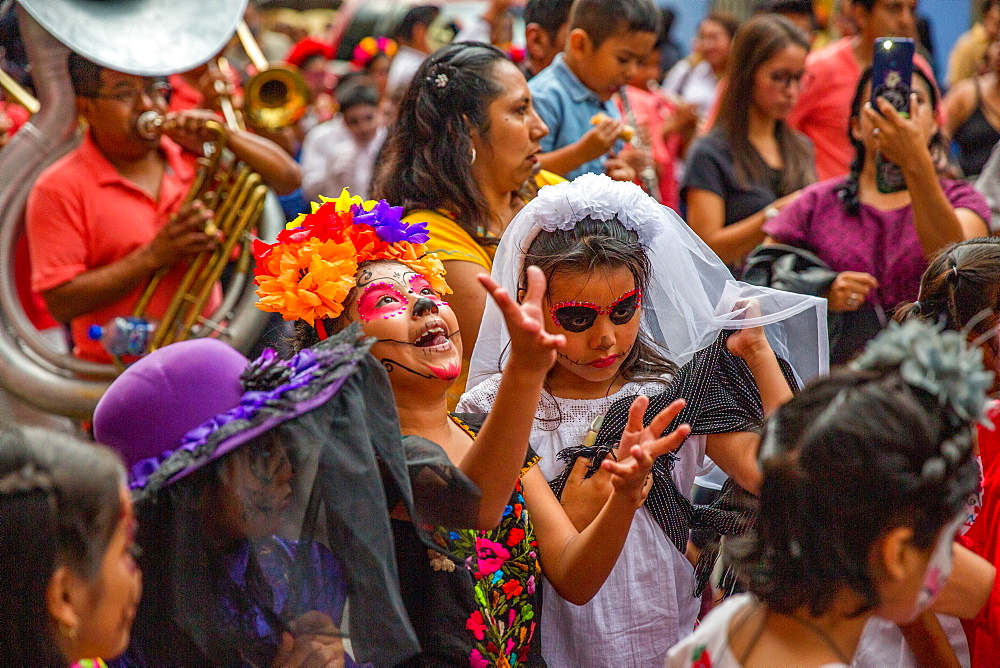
(545, 178)
(451, 242)
(968, 54)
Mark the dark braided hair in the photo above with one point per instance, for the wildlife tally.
(959, 285)
(848, 191)
(845, 463)
(427, 159)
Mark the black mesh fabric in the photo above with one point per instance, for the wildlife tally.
(287, 533)
(722, 397)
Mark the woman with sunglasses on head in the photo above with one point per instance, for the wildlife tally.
(70, 584)
(475, 598)
(751, 164)
(644, 307)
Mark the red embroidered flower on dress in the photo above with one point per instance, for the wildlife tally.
(512, 588)
(515, 537)
(700, 658)
(476, 624)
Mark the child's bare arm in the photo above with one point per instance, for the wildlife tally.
(496, 456)
(596, 142)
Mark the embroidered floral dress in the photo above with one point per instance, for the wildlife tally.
(482, 608)
(504, 564)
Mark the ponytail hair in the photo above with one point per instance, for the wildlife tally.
(850, 458)
(960, 287)
(426, 162)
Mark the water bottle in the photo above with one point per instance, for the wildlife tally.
(123, 336)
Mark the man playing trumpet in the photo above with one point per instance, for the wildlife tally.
(106, 217)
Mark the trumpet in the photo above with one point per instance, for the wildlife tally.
(236, 196)
(277, 95)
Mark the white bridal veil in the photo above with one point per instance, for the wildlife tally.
(691, 296)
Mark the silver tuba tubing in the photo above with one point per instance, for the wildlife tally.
(30, 368)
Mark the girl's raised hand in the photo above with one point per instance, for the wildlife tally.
(640, 446)
(748, 341)
(531, 347)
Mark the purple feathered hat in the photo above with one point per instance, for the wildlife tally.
(191, 402)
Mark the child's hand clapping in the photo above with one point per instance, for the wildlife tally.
(532, 349)
(639, 448)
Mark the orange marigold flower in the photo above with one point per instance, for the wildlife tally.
(307, 280)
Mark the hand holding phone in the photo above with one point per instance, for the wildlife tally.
(892, 75)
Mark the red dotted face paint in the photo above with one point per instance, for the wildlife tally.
(381, 300)
(420, 286)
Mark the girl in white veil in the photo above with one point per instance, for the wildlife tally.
(609, 250)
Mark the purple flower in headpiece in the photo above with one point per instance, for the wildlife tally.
(388, 224)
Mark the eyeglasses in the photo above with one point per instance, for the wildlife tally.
(784, 79)
(156, 91)
(580, 316)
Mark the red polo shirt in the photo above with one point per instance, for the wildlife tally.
(823, 111)
(82, 214)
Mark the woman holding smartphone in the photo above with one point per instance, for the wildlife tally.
(876, 245)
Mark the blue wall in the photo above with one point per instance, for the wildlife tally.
(949, 19)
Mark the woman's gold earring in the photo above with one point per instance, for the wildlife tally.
(70, 631)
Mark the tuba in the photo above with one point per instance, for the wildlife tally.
(144, 37)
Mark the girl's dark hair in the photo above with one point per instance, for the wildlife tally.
(756, 42)
(845, 466)
(60, 504)
(848, 191)
(961, 283)
(426, 162)
(595, 245)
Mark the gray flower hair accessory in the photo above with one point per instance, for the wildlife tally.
(936, 360)
(441, 80)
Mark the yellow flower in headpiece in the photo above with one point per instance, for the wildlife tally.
(416, 257)
(307, 280)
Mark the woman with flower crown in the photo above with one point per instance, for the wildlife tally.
(475, 599)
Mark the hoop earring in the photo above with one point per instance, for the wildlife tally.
(473, 156)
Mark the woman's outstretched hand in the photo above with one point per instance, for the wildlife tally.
(900, 140)
(532, 349)
(640, 446)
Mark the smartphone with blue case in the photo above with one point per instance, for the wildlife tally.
(892, 75)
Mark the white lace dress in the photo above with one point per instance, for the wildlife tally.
(646, 605)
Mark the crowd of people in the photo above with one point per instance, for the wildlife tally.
(584, 353)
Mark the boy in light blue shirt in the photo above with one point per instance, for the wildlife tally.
(607, 40)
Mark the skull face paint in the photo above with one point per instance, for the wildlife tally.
(417, 332)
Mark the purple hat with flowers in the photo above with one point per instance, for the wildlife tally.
(191, 402)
